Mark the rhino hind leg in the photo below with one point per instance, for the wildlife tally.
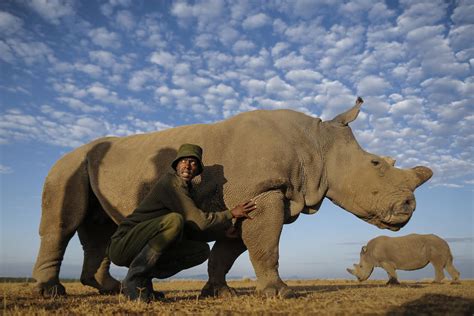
(261, 235)
(223, 255)
(94, 233)
(63, 209)
(453, 272)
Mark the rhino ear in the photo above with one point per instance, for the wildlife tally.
(389, 160)
(363, 250)
(350, 115)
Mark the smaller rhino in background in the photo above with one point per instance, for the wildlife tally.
(410, 252)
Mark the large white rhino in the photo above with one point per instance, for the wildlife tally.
(286, 161)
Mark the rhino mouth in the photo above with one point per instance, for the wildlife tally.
(400, 214)
(392, 226)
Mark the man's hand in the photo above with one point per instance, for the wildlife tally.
(242, 210)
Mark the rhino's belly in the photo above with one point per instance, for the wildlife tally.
(409, 264)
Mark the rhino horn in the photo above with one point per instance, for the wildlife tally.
(423, 174)
(350, 271)
(350, 115)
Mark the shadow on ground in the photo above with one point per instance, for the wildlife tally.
(438, 304)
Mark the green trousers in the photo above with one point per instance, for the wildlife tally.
(165, 235)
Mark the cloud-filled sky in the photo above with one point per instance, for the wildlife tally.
(73, 71)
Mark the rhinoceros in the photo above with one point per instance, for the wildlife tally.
(284, 160)
(410, 252)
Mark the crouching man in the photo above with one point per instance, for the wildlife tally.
(151, 240)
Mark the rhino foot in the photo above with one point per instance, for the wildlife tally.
(274, 291)
(50, 289)
(217, 290)
(393, 281)
(106, 287)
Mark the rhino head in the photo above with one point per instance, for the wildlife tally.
(367, 185)
(364, 268)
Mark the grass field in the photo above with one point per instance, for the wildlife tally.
(327, 297)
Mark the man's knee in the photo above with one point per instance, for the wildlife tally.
(173, 223)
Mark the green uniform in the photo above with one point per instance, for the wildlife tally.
(160, 218)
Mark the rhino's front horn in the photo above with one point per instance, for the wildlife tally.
(423, 174)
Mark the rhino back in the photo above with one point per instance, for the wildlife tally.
(408, 252)
(244, 156)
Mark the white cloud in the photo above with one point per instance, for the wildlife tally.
(460, 37)
(254, 87)
(303, 75)
(291, 61)
(9, 24)
(125, 20)
(463, 13)
(373, 85)
(102, 57)
(204, 40)
(111, 98)
(90, 69)
(242, 46)
(29, 52)
(409, 106)
(67, 130)
(52, 10)
(6, 53)
(256, 21)
(5, 169)
(81, 106)
(139, 78)
(279, 88)
(206, 12)
(191, 83)
(222, 90)
(228, 35)
(108, 8)
(279, 48)
(103, 38)
(333, 97)
(164, 59)
(380, 13)
(419, 14)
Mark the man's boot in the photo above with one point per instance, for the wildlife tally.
(137, 284)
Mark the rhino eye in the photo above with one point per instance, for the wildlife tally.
(375, 162)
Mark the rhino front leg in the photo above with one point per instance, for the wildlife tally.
(94, 235)
(261, 235)
(223, 255)
(391, 272)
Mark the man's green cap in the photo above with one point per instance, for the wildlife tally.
(189, 150)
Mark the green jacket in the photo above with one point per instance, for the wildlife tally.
(172, 194)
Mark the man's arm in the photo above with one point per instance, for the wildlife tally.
(178, 199)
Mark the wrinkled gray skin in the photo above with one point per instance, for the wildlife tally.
(286, 161)
(411, 252)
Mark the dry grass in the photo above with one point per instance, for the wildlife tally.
(327, 297)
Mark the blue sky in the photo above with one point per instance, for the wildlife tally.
(73, 71)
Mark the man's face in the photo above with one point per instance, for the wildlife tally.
(187, 168)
